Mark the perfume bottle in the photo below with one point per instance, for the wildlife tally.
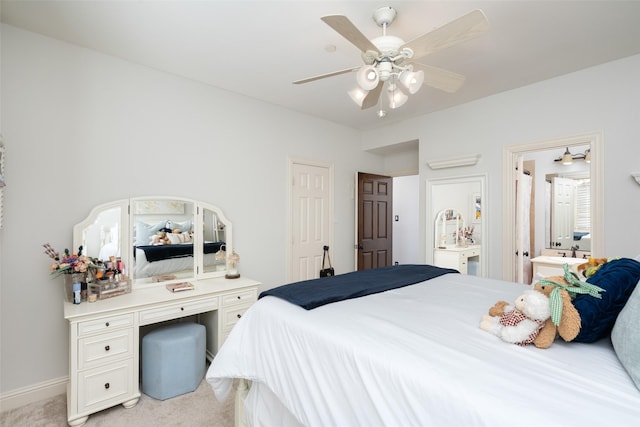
(77, 297)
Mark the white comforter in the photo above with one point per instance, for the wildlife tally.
(415, 356)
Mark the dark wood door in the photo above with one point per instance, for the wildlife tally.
(374, 220)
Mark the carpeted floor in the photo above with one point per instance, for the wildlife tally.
(200, 408)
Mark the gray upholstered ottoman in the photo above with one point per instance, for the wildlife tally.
(173, 360)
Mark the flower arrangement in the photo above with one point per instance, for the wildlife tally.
(69, 263)
(465, 233)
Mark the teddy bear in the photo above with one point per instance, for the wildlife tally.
(521, 323)
(590, 267)
(160, 238)
(569, 323)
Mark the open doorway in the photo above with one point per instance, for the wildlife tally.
(513, 265)
(406, 219)
(402, 168)
(387, 220)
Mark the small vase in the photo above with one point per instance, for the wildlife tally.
(69, 280)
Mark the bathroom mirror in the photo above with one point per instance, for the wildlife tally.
(158, 238)
(568, 204)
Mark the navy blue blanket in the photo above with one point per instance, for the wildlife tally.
(160, 252)
(314, 293)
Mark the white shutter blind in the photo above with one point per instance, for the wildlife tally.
(583, 206)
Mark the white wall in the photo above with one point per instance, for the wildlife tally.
(602, 98)
(407, 207)
(82, 128)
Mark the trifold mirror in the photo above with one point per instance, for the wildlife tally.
(448, 226)
(158, 238)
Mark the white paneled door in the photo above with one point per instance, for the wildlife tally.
(311, 218)
(562, 212)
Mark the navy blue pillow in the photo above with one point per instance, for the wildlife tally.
(618, 278)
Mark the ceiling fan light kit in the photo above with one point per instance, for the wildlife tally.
(412, 80)
(397, 98)
(387, 58)
(367, 77)
(358, 95)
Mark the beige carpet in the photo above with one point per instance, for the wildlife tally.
(200, 408)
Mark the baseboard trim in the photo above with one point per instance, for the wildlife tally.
(24, 396)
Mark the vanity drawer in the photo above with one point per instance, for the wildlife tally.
(101, 388)
(105, 324)
(230, 316)
(241, 297)
(177, 310)
(103, 348)
(471, 253)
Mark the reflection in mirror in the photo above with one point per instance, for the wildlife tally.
(101, 239)
(214, 242)
(559, 216)
(162, 238)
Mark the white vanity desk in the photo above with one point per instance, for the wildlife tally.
(457, 258)
(104, 336)
(448, 251)
(104, 339)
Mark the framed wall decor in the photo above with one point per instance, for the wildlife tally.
(477, 208)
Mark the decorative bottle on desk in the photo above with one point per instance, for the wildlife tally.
(77, 298)
(232, 266)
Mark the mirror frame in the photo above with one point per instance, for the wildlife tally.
(596, 171)
(440, 221)
(126, 236)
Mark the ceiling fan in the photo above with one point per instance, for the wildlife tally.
(388, 59)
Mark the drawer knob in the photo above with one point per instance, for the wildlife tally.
(106, 324)
(239, 315)
(106, 386)
(181, 308)
(239, 297)
(107, 348)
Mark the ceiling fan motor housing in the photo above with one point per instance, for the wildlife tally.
(388, 45)
(384, 15)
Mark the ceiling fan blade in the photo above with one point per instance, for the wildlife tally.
(372, 97)
(322, 76)
(346, 29)
(447, 81)
(467, 27)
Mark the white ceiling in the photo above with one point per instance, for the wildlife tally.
(257, 48)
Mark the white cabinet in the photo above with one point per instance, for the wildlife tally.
(458, 258)
(234, 305)
(104, 347)
(102, 371)
(545, 266)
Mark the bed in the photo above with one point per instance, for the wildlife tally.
(174, 254)
(415, 356)
(153, 260)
